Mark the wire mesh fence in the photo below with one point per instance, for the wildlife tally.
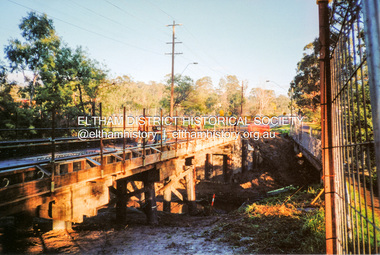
(356, 205)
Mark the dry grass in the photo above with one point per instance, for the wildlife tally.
(287, 210)
(269, 226)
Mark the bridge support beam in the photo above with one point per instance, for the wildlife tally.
(255, 158)
(167, 193)
(150, 203)
(208, 166)
(227, 173)
(244, 152)
(121, 202)
(190, 186)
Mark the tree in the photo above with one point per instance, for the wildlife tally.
(203, 89)
(263, 101)
(183, 90)
(212, 102)
(123, 91)
(306, 85)
(230, 94)
(37, 54)
(282, 104)
(7, 104)
(82, 73)
(13, 114)
(53, 72)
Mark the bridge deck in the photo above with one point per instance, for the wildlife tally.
(34, 183)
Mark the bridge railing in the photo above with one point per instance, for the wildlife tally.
(309, 139)
(35, 159)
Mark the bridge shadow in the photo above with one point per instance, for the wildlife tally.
(19, 235)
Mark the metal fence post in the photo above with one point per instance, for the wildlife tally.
(176, 130)
(143, 139)
(326, 119)
(52, 150)
(124, 118)
(161, 132)
(101, 140)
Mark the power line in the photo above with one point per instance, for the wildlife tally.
(105, 17)
(87, 30)
(128, 13)
(203, 60)
(196, 39)
(170, 16)
(117, 7)
(114, 21)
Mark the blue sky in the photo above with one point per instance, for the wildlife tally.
(256, 40)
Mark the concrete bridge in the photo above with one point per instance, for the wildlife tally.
(69, 189)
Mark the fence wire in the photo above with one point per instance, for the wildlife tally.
(356, 206)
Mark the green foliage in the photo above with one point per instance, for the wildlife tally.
(56, 70)
(13, 114)
(305, 89)
(134, 96)
(284, 130)
(53, 73)
(314, 228)
(230, 94)
(37, 54)
(282, 105)
(184, 89)
(68, 81)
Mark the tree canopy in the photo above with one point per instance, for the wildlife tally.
(305, 88)
(66, 80)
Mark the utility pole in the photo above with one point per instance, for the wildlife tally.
(242, 98)
(173, 42)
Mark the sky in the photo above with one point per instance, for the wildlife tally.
(256, 40)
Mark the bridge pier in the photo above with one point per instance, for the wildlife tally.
(61, 225)
(255, 158)
(150, 203)
(190, 185)
(121, 202)
(227, 173)
(244, 152)
(208, 166)
(167, 194)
